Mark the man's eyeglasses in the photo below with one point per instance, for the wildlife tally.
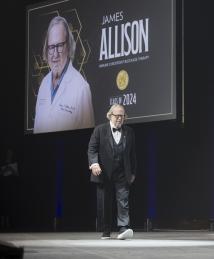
(59, 48)
(117, 116)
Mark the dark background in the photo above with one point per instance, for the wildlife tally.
(175, 179)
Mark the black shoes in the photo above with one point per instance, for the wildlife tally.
(106, 235)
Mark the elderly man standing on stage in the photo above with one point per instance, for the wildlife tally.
(112, 160)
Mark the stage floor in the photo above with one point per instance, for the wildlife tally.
(144, 245)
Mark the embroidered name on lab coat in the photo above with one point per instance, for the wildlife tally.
(67, 108)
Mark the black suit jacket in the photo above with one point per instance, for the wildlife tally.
(100, 150)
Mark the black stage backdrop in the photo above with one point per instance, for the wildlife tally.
(175, 180)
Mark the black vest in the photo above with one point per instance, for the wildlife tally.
(118, 165)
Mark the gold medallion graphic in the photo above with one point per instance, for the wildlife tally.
(122, 79)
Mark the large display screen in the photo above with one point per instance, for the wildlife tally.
(84, 56)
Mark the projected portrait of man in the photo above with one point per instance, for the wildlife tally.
(64, 98)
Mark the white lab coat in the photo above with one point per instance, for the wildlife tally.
(72, 105)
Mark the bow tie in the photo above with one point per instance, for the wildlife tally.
(114, 129)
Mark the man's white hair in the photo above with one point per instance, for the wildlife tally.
(71, 44)
(110, 112)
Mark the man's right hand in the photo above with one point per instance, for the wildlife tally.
(95, 169)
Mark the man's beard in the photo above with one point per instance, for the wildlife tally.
(118, 124)
(56, 71)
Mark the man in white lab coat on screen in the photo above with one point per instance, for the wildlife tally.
(64, 99)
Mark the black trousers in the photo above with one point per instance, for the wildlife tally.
(120, 190)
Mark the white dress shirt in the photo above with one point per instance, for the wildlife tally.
(116, 135)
